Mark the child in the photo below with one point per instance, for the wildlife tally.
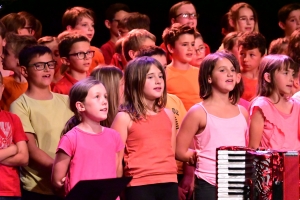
(252, 47)
(230, 43)
(274, 117)
(82, 19)
(43, 115)
(199, 51)
(33, 23)
(2, 44)
(113, 81)
(149, 131)
(52, 43)
(294, 52)
(289, 18)
(114, 14)
(134, 20)
(217, 121)
(16, 84)
(118, 59)
(13, 152)
(180, 42)
(243, 18)
(17, 24)
(87, 150)
(74, 50)
(279, 46)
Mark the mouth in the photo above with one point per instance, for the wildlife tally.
(158, 89)
(229, 81)
(103, 110)
(189, 54)
(248, 28)
(47, 76)
(290, 86)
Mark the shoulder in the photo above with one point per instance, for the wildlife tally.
(19, 101)
(173, 97)
(62, 97)
(123, 116)
(296, 96)
(169, 113)
(244, 112)
(196, 110)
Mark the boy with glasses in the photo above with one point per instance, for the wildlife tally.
(74, 50)
(43, 115)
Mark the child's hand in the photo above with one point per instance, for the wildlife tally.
(63, 180)
(193, 159)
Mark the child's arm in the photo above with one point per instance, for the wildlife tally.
(172, 118)
(119, 159)
(256, 128)
(60, 169)
(8, 152)
(21, 156)
(121, 124)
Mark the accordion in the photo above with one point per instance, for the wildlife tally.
(246, 174)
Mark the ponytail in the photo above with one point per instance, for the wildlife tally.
(71, 123)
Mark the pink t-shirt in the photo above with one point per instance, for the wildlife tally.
(281, 131)
(93, 156)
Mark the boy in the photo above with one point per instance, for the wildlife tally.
(82, 19)
(2, 44)
(75, 53)
(294, 52)
(289, 18)
(43, 115)
(113, 15)
(16, 84)
(252, 47)
(13, 152)
(180, 41)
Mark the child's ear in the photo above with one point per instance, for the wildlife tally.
(3, 42)
(296, 83)
(69, 28)
(107, 24)
(24, 71)
(173, 21)
(170, 49)
(238, 78)
(131, 54)
(281, 25)
(80, 107)
(209, 80)
(267, 77)
(64, 60)
(231, 23)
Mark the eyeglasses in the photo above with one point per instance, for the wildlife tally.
(116, 20)
(188, 15)
(247, 19)
(200, 50)
(39, 66)
(83, 55)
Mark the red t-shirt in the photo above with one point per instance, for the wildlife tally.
(64, 85)
(11, 132)
(108, 50)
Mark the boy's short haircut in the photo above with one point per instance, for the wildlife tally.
(171, 35)
(150, 51)
(285, 11)
(113, 9)
(16, 43)
(30, 52)
(294, 46)
(32, 23)
(47, 39)
(253, 40)
(13, 22)
(118, 45)
(66, 43)
(175, 7)
(135, 20)
(2, 30)
(133, 41)
(279, 46)
(230, 40)
(72, 16)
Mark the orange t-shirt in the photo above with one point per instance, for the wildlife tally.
(184, 84)
(250, 88)
(97, 60)
(64, 85)
(108, 50)
(12, 91)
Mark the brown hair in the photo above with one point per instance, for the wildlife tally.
(135, 20)
(230, 40)
(294, 46)
(279, 46)
(150, 51)
(16, 43)
(13, 22)
(234, 15)
(66, 43)
(135, 78)
(72, 16)
(205, 71)
(270, 64)
(47, 39)
(253, 40)
(32, 22)
(133, 41)
(285, 11)
(110, 77)
(173, 10)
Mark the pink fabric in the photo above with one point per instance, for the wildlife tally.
(244, 103)
(93, 156)
(280, 129)
(218, 132)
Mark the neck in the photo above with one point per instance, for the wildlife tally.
(149, 104)
(18, 77)
(218, 98)
(113, 38)
(78, 75)
(251, 74)
(39, 93)
(180, 65)
(279, 98)
(90, 126)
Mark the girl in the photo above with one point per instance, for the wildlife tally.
(274, 121)
(230, 43)
(217, 121)
(149, 132)
(87, 150)
(243, 18)
(112, 79)
(199, 50)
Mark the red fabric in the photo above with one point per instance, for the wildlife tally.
(116, 62)
(108, 50)
(64, 85)
(11, 132)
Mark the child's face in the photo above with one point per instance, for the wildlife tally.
(199, 54)
(292, 23)
(249, 59)
(184, 48)
(246, 21)
(40, 78)
(86, 25)
(10, 61)
(283, 80)
(162, 59)
(235, 50)
(119, 16)
(186, 19)
(54, 48)
(224, 76)
(76, 64)
(154, 84)
(95, 105)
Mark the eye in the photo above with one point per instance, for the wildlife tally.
(221, 70)
(233, 70)
(252, 18)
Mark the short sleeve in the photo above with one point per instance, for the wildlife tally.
(66, 145)
(18, 131)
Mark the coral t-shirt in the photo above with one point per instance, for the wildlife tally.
(250, 88)
(64, 85)
(98, 58)
(108, 50)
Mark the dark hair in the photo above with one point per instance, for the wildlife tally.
(294, 46)
(113, 9)
(135, 78)
(270, 64)
(78, 92)
(16, 42)
(32, 22)
(226, 28)
(253, 40)
(66, 43)
(230, 40)
(279, 46)
(135, 21)
(72, 15)
(150, 51)
(13, 22)
(285, 11)
(205, 72)
(173, 10)
(29, 52)
(2, 30)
